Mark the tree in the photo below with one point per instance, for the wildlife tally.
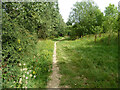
(111, 15)
(22, 24)
(84, 16)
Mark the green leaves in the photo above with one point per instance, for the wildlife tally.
(110, 19)
(84, 16)
(111, 10)
(97, 29)
(23, 23)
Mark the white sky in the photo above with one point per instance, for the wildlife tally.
(66, 5)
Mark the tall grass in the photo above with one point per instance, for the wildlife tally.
(34, 67)
(41, 63)
(86, 64)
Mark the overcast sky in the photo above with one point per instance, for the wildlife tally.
(66, 5)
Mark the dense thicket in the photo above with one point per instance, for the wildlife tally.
(42, 18)
(23, 23)
(86, 18)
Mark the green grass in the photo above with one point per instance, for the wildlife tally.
(57, 39)
(39, 61)
(86, 64)
(61, 38)
(44, 50)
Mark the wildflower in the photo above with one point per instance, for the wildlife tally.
(24, 64)
(24, 68)
(20, 81)
(20, 49)
(33, 72)
(27, 72)
(14, 82)
(30, 70)
(20, 69)
(18, 40)
(19, 64)
(34, 76)
(26, 77)
(23, 75)
(30, 75)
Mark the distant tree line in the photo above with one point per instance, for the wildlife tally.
(86, 18)
(43, 18)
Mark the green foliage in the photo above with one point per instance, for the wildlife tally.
(84, 16)
(17, 42)
(111, 10)
(110, 23)
(41, 64)
(97, 29)
(23, 23)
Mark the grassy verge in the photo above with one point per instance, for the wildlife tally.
(42, 64)
(85, 64)
(34, 67)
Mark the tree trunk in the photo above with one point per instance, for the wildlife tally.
(77, 37)
(95, 37)
(81, 36)
(99, 34)
(108, 39)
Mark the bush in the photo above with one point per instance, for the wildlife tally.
(24, 60)
(17, 43)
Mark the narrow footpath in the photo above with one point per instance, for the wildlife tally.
(55, 76)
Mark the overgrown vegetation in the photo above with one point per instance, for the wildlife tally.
(89, 61)
(86, 64)
(22, 25)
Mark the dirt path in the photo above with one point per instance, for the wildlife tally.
(55, 76)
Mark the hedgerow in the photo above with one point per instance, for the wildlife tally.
(23, 24)
(17, 42)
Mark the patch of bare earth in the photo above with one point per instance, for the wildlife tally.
(55, 76)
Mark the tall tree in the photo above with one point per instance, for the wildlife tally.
(111, 15)
(84, 16)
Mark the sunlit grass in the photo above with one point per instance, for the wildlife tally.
(86, 64)
(40, 64)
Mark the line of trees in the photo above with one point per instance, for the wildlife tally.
(42, 18)
(23, 23)
(86, 18)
